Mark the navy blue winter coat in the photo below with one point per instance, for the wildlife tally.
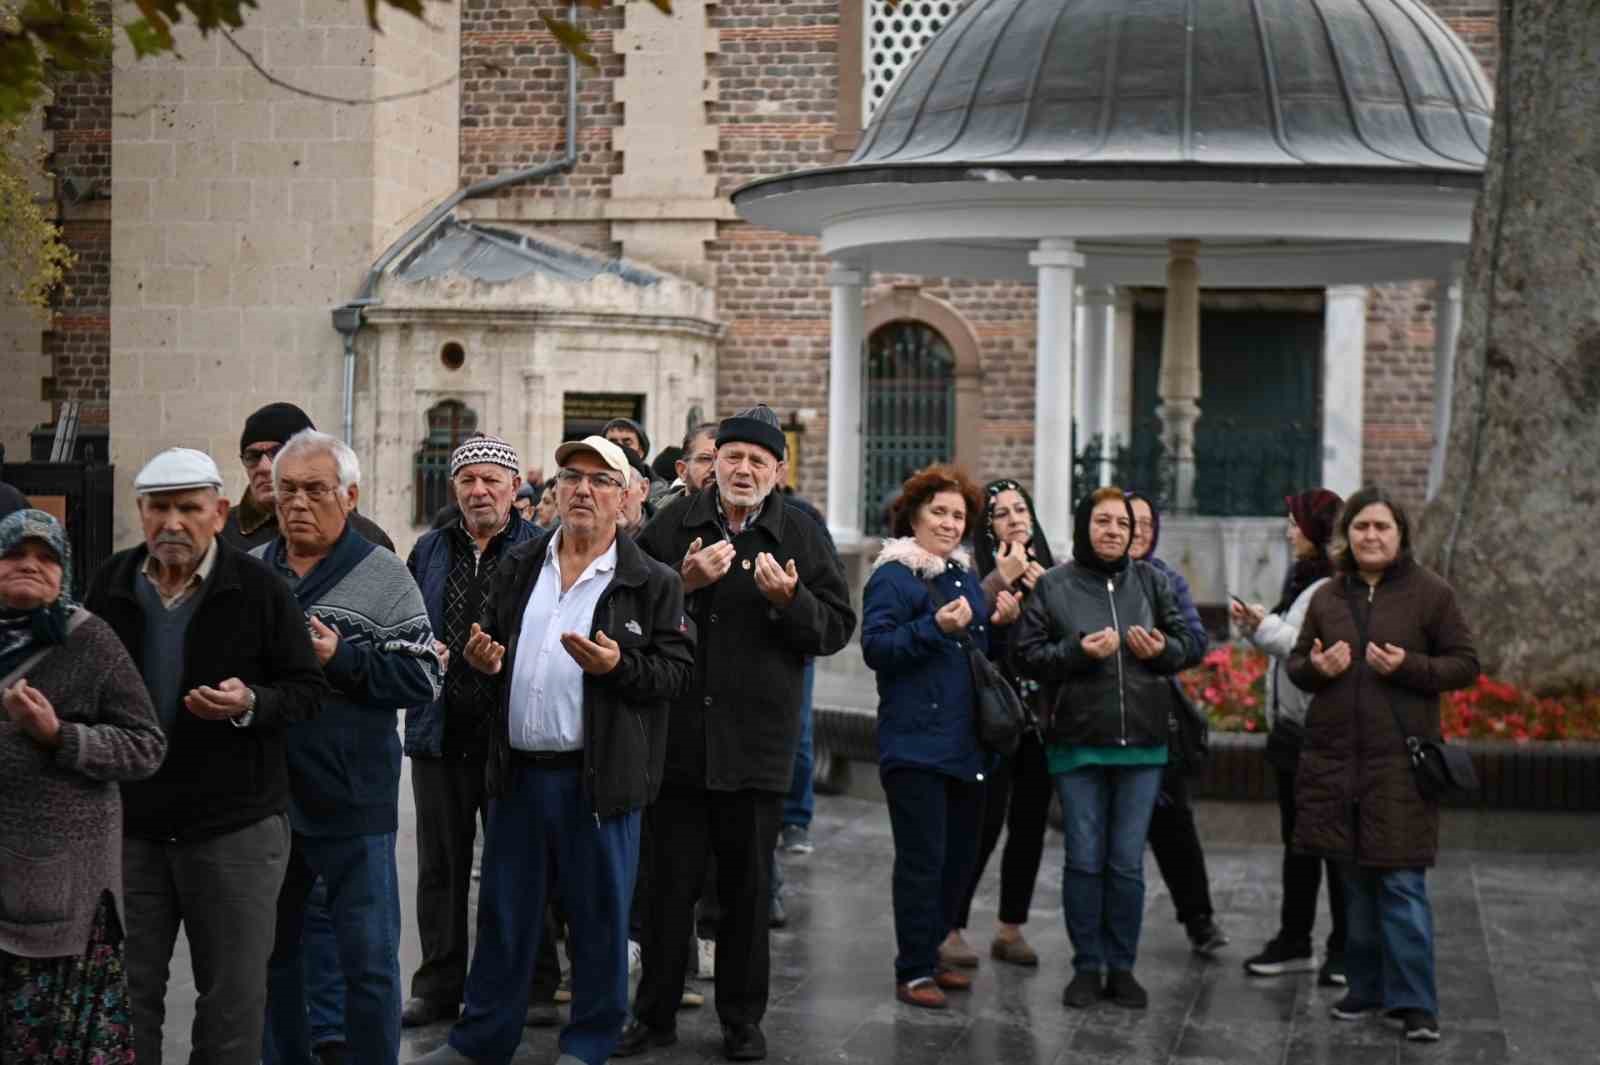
(924, 680)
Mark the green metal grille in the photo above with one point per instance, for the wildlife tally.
(910, 411)
(449, 423)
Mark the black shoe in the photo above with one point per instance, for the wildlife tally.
(1083, 992)
(1349, 1009)
(1332, 972)
(418, 1012)
(777, 916)
(743, 1042)
(1420, 1026)
(639, 1037)
(1278, 958)
(1205, 937)
(1124, 990)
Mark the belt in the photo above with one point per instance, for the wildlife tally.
(547, 759)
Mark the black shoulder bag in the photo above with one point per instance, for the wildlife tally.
(1188, 729)
(1440, 770)
(998, 715)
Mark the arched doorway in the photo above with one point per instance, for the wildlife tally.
(450, 423)
(910, 410)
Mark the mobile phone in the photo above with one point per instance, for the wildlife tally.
(1241, 602)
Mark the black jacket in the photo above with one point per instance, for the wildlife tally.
(1118, 701)
(738, 724)
(218, 778)
(625, 711)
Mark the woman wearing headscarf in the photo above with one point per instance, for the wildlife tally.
(1381, 642)
(1174, 837)
(921, 611)
(1103, 634)
(77, 720)
(1310, 532)
(1012, 553)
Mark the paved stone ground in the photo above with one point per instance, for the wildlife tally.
(1518, 952)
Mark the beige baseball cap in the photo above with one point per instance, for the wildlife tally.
(601, 448)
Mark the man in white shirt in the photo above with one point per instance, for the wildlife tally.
(598, 646)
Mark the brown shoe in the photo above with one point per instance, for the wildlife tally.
(957, 955)
(924, 993)
(1013, 952)
(953, 980)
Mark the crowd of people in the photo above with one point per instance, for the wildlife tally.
(607, 675)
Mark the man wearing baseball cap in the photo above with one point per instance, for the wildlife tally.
(586, 639)
(229, 665)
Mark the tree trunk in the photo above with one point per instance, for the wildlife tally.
(1519, 504)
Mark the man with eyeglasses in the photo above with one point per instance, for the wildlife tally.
(764, 592)
(587, 638)
(370, 631)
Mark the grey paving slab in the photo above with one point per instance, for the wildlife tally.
(1518, 953)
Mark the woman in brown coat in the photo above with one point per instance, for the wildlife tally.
(1380, 643)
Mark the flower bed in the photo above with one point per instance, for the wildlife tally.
(1230, 685)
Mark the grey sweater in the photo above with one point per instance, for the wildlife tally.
(60, 810)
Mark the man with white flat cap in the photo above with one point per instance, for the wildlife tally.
(225, 654)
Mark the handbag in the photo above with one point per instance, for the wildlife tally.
(998, 715)
(1188, 731)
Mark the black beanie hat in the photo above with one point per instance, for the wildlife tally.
(276, 422)
(632, 426)
(756, 425)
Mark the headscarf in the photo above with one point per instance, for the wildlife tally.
(1315, 514)
(986, 544)
(1083, 551)
(1155, 522)
(23, 631)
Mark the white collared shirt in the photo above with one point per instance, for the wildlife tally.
(546, 711)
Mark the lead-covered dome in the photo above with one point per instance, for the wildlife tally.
(1347, 84)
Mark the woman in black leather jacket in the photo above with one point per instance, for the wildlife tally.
(1102, 634)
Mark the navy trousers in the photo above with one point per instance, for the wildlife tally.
(935, 820)
(543, 831)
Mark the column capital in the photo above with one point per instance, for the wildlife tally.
(1053, 251)
(846, 274)
(1346, 292)
(1099, 296)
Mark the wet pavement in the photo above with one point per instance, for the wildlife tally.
(1518, 968)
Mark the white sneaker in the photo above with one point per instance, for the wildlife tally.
(635, 957)
(708, 959)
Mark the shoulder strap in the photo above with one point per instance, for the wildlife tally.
(79, 616)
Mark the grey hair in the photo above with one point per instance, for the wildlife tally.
(311, 442)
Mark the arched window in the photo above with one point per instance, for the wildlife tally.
(895, 34)
(449, 423)
(910, 410)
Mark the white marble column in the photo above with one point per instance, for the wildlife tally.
(1179, 408)
(1446, 331)
(1119, 374)
(845, 442)
(1094, 376)
(1057, 263)
(1344, 360)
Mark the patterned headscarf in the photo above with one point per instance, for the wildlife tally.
(21, 631)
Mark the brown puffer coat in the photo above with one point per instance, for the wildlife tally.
(1355, 798)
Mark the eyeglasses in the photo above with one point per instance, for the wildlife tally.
(253, 455)
(700, 458)
(597, 481)
(314, 492)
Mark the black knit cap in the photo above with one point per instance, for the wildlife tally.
(756, 425)
(274, 423)
(632, 426)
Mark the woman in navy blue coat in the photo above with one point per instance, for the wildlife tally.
(921, 599)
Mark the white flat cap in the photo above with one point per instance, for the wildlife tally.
(178, 469)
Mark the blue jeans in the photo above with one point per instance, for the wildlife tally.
(798, 805)
(364, 901)
(1388, 945)
(324, 981)
(543, 831)
(1106, 813)
(936, 820)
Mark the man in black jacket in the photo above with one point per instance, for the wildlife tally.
(764, 592)
(225, 653)
(588, 639)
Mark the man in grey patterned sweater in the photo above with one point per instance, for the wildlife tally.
(371, 633)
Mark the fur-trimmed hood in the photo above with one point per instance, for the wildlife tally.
(924, 563)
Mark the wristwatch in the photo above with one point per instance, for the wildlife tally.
(249, 715)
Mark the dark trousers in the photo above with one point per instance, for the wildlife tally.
(935, 819)
(543, 832)
(452, 801)
(223, 892)
(1175, 841)
(1302, 878)
(324, 981)
(363, 889)
(1016, 797)
(740, 828)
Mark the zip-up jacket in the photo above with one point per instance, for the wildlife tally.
(624, 711)
(1117, 701)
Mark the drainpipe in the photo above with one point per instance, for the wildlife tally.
(349, 318)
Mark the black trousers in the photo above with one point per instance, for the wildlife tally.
(1016, 797)
(1175, 842)
(739, 828)
(452, 803)
(1302, 879)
